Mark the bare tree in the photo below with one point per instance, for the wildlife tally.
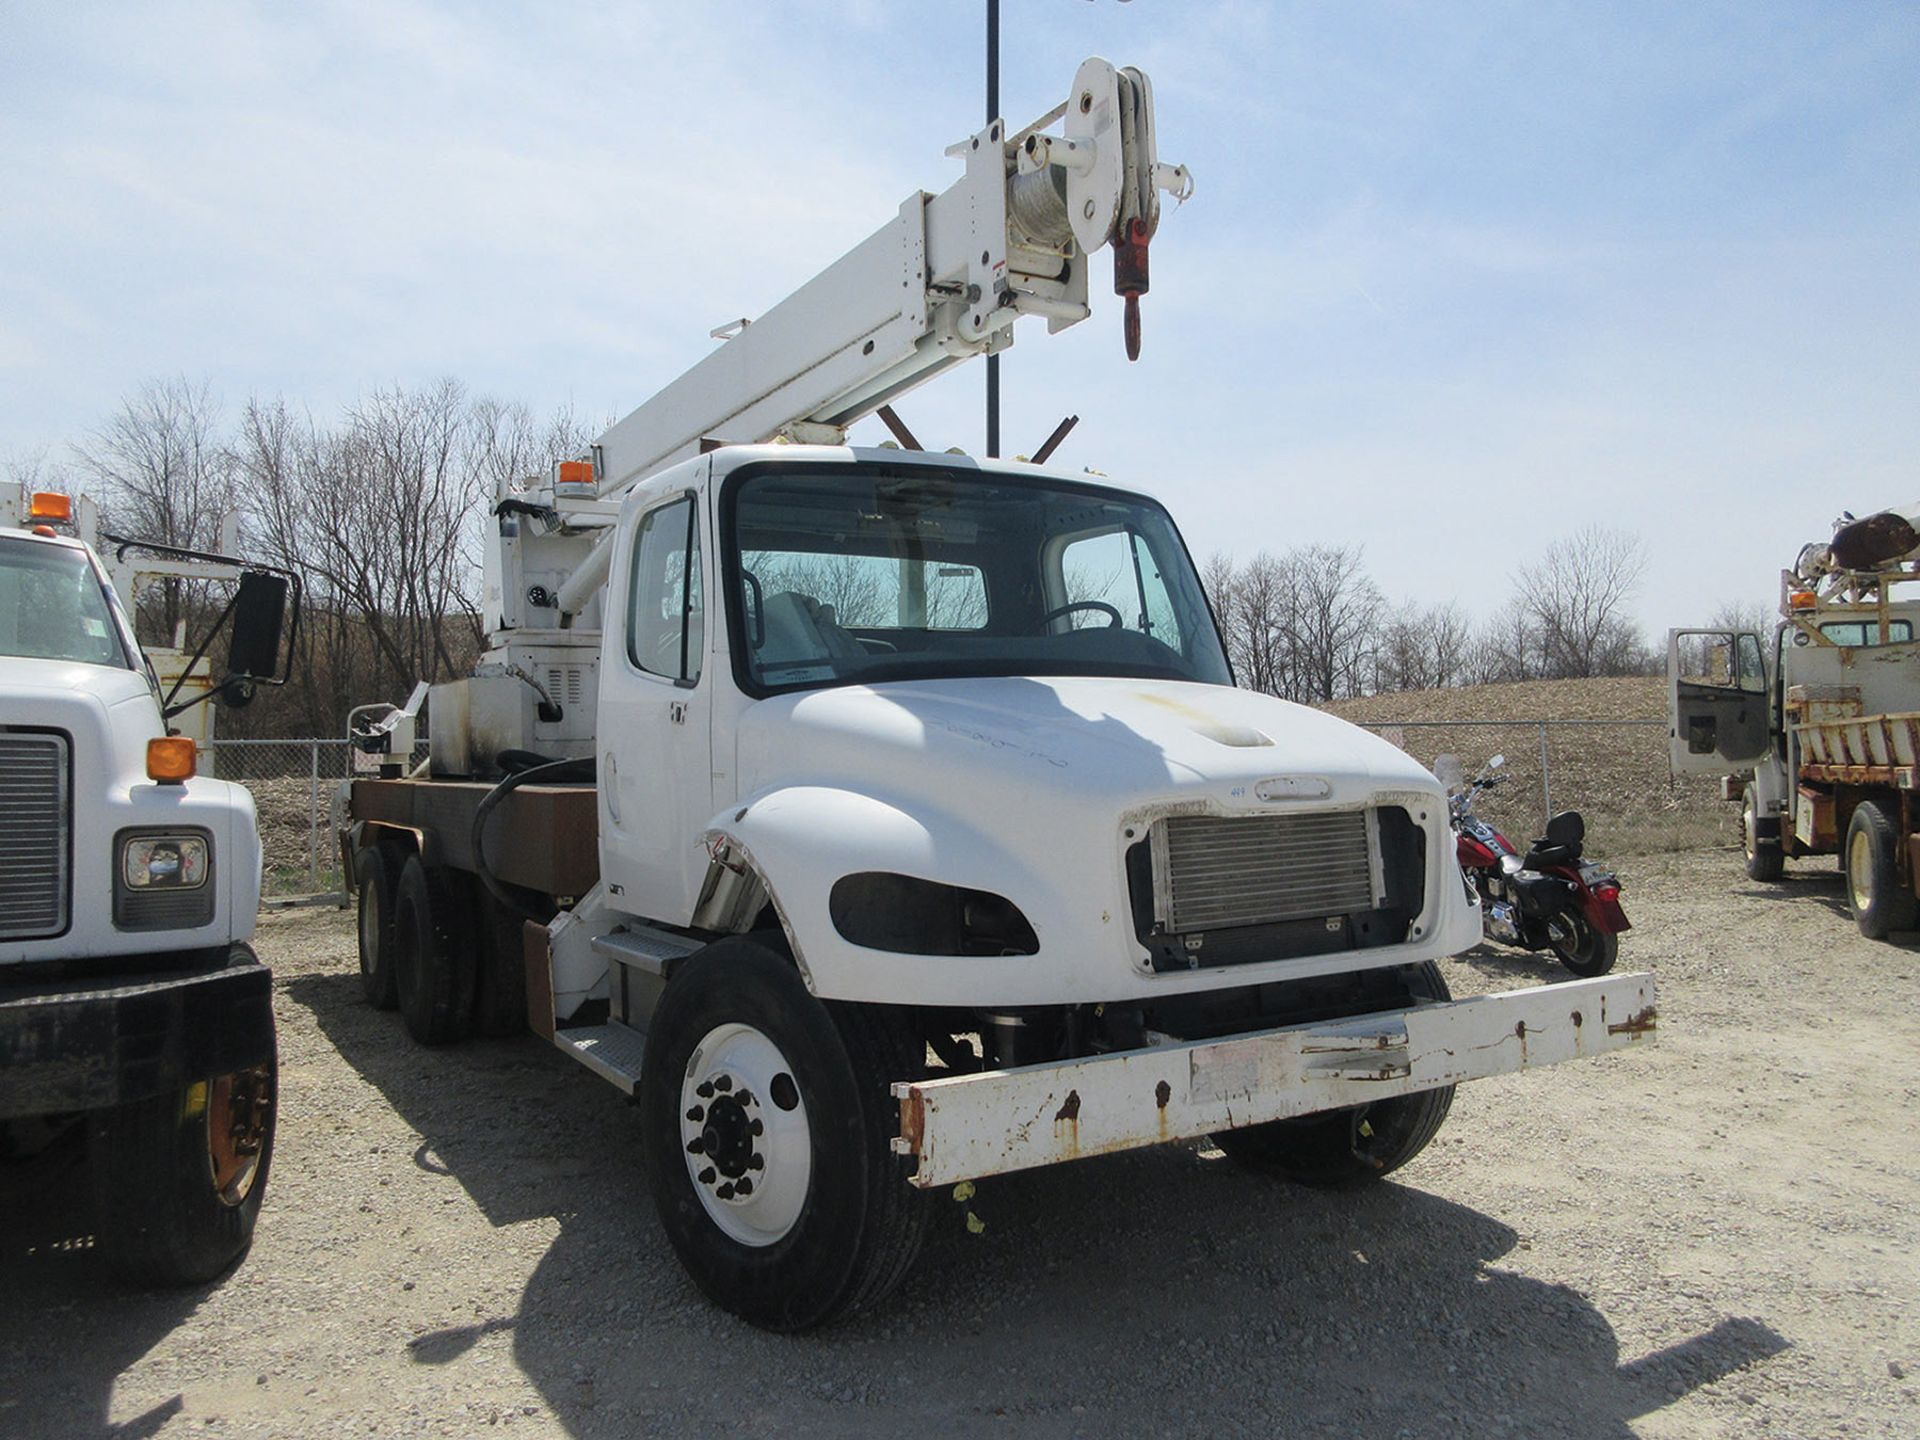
(1577, 596)
(1335, 621)
(164, 473)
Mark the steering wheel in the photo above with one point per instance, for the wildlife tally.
(1114, 622)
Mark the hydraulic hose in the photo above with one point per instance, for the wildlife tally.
(550, 770)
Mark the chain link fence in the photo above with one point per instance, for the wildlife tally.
(294, 785)
(1614, 772)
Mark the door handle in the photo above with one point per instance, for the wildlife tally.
(677, 711)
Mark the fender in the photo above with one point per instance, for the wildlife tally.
(787, 847)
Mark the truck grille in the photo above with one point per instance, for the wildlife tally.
(1211, 872)
(34, 824)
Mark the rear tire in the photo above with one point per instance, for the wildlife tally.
(373, 877)
(1881, 899)
(500, 1000)
(179, 1178)
(1342, 1149)
(1589, 951)
(433, 965)
(829, 1225)
(1765, 859)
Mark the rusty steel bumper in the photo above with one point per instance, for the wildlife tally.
(968, 1126)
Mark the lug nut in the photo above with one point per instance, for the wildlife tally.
(697, 1145)
(754, 1127)
(704, 1090)
(723, 1083)
(696, 1114)
(756, 1162)
(743, 1186)
(707, 1175)
(745, 1097)
(725, 1192)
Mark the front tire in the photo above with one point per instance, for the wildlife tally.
(1765, 859)
(1343, 1149)
(1881, 899)
(1585, 950)
(180, 1177)
(767, 1120)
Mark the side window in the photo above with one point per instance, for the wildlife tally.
(666, 619)
(1721, 660)
(1117, 568)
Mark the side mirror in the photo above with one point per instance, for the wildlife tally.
(259, 618)
(1496, 762)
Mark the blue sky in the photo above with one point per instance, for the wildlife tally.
(1456, 281)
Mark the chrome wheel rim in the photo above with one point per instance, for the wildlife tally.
(745, 1136)
(369, 925)
(1748, 839)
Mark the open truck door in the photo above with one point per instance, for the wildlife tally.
(1717, 714)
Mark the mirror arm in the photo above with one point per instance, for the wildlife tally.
(167, 707)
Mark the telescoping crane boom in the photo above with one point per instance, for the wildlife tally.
(941, 282)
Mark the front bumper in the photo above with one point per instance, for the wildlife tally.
(969, 1126)
(74, 1045)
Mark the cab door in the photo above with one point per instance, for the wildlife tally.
(1717, 704)
(656, 788)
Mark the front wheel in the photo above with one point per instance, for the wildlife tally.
(1881, 899)
(767, 1120)
(1582, 948)
(1341, 1149)
(1765, 859)
(180, 1177)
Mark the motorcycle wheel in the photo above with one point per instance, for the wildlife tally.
(1586, 951)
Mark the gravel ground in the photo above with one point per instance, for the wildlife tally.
(1715, 1236)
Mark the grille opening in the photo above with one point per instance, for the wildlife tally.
(35, 834)
(1208, 891)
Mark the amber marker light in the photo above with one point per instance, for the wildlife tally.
(50, 505)
(171, 759)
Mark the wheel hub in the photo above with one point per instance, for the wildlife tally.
(750, 1158)
(239, 1108)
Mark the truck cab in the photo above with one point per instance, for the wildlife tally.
(133, 1014)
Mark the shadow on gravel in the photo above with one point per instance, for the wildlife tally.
(62, 1314)
(1156, 1292)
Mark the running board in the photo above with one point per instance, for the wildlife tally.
(967, 1126)
(644, 948)
(612, 1051)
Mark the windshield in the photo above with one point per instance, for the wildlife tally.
(53, 608)
(856, 576)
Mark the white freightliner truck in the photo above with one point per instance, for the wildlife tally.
(1815, 727)
(792, 765)
(134, 1017)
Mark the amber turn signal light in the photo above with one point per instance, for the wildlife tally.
(171, 759)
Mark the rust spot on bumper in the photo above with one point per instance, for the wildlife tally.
(1641, 1022)
(913, 1119)
(1162, 1093)
(1069, 1108)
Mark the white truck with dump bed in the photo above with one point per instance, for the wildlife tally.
(1815, 727)
(134, 1017)
(882, 820)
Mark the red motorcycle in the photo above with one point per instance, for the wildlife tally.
(1548, 899)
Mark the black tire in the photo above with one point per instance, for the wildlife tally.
(1880, 897)
(1587, 952)
(1765, 859)
(173, 1210)
(1343, 1149)
(373, 877)
(861, 1224)
(433, 965)
(500, 999)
